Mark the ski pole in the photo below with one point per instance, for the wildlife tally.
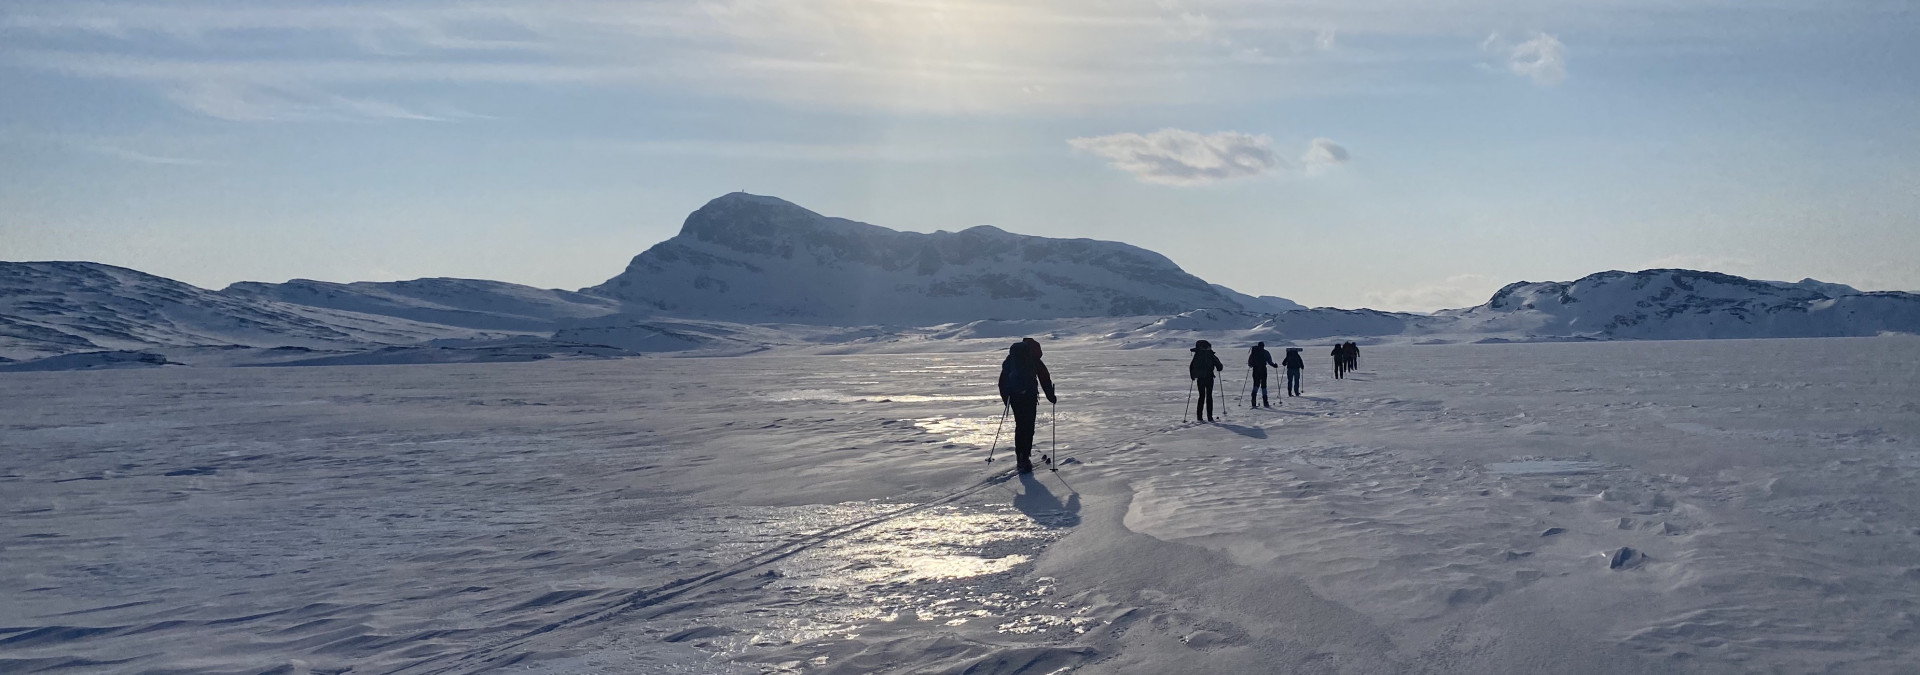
(996, 430)
(1053, 413)
(1191, 383)
(1221, 393)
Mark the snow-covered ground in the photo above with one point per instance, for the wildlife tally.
(1447, 509)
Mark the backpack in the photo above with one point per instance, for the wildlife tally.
(1017, 375)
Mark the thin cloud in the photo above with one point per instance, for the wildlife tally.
(246, 102)
(1323, 154)
(1541, 58)
(1184, 158)
(1181, 157)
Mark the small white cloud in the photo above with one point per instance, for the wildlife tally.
(1541, 58)
(1464, 290)
(1323, 154)
(1180, 157)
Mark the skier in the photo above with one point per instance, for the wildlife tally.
(1201, 370)
(1018, 375)
(1339, 361)
(1353, 356)
(1258, 360)
(1294, 365)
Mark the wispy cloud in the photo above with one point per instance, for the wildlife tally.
(1323, 154)
(249, 102)
(1181, 157)
(1184, 158)
(284, 61)
(1541, 58)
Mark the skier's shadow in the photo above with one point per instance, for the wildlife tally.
(1040, 504)
(1249, 432)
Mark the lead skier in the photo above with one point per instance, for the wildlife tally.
(1019, 374)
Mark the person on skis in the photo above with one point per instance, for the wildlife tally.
(1294, 365)
(1339, 361)
(1201, 371)
(1022, 378)
(1258, 360)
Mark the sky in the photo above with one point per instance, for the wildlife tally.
(1395, 154)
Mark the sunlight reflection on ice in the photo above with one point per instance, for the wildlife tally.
(950, 566)
(969, 430)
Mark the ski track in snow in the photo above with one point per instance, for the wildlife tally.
(1445, 509)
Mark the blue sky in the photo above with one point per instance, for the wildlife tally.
(1397, 154)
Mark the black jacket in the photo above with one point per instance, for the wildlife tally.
(1020, 372)
(1260, 358)
(1203, 365)
(1292, 360)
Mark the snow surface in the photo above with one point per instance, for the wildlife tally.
(1446, 509)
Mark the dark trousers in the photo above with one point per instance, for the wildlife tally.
(1205, 410)
(1293, 381)
(1026, 409)
(1259, 392)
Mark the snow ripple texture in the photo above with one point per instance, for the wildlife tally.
(1446, 509)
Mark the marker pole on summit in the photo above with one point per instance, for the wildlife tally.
(1005, 406)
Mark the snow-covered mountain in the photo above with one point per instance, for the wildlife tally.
(467, 303)
(1671, 304)
(49, 308)
(751, 258)
(750, 273)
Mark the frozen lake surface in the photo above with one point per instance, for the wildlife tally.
(1447, 509)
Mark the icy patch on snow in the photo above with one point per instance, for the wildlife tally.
(1546, 467)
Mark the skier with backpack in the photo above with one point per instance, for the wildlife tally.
(1258, 359)
(1201, 371)
(1294, 365)
(1022, 378)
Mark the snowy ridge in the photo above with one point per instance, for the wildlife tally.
(751, 258)
(50, 308)
(750, 273)
(467, 303)
(1671, 304)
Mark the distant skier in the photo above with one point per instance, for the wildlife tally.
(1339, 361)
(1258, 360)
(1294, 365)
(1353, 356)
(1201, 371)
(1019, 374)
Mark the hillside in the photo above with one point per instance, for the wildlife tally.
(751, 258)
(467, 303)
(49, 308)
(1672, 304)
